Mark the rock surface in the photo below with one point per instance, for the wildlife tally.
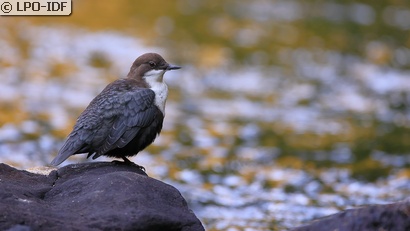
(91, 196)
(392, 217)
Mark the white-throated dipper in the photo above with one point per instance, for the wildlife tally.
(125, 117)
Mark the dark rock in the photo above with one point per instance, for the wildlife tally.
(392, 217)
(20, 228)
(91, 196)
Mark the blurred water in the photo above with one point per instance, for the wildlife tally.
(264, 139)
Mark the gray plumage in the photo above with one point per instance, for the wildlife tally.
(123, 119)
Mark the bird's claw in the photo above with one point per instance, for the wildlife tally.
(127, 161)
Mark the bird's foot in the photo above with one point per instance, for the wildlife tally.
(129, 162)
(138, 166)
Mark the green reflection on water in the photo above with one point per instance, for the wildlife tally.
(209, 33)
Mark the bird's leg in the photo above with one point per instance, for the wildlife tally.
(127, 161)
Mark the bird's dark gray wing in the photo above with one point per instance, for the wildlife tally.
(137, 113)
(111, 120)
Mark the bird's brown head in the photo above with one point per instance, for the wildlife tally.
(150, 64)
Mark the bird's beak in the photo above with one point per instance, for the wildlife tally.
(172, 67)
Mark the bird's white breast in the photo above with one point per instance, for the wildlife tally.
(154, 79)
(161, 94)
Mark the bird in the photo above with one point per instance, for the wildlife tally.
(125, 117)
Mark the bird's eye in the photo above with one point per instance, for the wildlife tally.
(152, 64)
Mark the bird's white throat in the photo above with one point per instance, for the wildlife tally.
(154, 78)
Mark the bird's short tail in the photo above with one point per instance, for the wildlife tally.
(69, 148)
(59, 159)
